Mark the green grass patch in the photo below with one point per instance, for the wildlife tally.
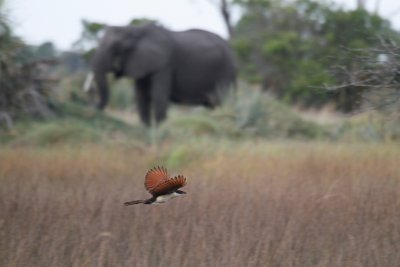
(251, 115)
(75, 124)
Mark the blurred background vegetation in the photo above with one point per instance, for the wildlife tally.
(298, 168)
(307, 70)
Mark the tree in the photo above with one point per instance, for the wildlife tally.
(90, 36)
(290, 47)
(225, 9)
(46, 50)
(20, 94)
(378, 77)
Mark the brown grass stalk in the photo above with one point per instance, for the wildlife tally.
(289, 204)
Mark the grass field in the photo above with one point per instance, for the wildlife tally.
(248, 204)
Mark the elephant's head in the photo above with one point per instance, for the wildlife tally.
(132, 51)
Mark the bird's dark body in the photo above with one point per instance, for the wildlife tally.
(148, 201)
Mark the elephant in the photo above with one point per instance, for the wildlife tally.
(188, 67)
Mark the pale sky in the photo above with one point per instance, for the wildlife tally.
(59, 21)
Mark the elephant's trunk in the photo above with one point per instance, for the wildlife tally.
(101, 65)
(102, 87)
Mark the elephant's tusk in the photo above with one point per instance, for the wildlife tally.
(88, 82)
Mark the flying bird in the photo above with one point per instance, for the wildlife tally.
(161, 186)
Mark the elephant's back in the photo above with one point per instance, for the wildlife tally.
(204, 49)
(202, 61)
(198, 32)
(199, 39)
(201, 43)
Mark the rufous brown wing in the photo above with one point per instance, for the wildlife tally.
(169, 185)
(154, 177)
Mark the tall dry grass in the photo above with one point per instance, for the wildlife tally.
(248, 205)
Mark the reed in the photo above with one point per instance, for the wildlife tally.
(251, 204)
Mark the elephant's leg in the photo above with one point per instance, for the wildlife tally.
(160, 94)
(143, 100)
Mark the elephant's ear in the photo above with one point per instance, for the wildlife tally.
(152, 52)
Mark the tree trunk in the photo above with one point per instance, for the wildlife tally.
(360, 4)
(226, 15)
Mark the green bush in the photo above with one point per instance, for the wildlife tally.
(50, 133)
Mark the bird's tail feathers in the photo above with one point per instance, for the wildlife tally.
(134, 202)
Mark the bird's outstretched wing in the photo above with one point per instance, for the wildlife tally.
(169, 185)
(154, 177)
